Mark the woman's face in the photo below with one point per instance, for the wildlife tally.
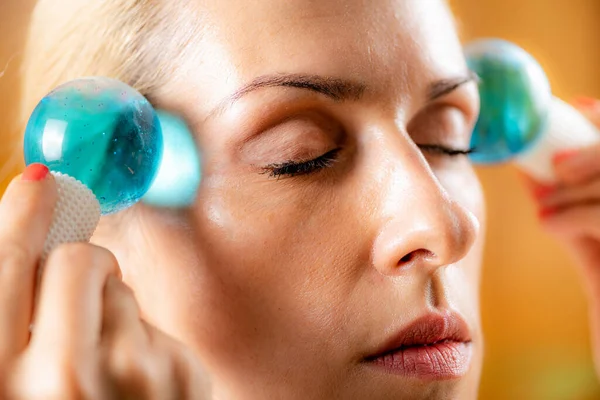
(330, 219)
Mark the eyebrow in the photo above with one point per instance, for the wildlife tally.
(446, 86)
(334, 88)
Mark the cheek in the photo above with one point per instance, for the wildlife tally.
(464, 187)
(282, 263)
(271, 220)
(277, 247)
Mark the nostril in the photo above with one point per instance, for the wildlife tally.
(407, 258)
(417, 254)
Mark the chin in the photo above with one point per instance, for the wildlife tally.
(455, 389)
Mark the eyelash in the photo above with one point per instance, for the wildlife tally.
(294, 168)
(445, 151)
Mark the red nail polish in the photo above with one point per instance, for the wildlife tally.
(547, 212)
(564, 155)
(35, 172)
(543, 191)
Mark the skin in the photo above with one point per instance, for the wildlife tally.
(284, 285)
(280, 286)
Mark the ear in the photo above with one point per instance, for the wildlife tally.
(178, 178)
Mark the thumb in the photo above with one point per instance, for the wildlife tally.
(575, 166)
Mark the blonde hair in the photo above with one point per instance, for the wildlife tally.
(136, 41)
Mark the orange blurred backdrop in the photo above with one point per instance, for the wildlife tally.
(534, 313)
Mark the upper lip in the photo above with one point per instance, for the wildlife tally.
(427, 330)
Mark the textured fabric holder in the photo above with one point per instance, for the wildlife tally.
(76, 215)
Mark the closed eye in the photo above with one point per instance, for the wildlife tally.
(295, 168)
(444, 150)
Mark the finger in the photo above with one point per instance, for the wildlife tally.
(580, 165)
(121, 315)
(139, 374)
(192, 380)
(26, 214)
(135, 370)
(538, 190)
(565, 197)
(574, 222)
(69, 313)
(586, 252)
(141, 371)
(576, 166)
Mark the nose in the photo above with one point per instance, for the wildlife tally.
(421, 224)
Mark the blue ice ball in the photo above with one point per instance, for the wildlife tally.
(103, 133)
(515, 100)
(179, 176)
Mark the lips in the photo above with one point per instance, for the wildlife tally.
(435, 346)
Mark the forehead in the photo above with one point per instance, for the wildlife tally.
(383, 43)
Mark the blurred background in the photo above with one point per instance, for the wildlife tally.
(534, 313)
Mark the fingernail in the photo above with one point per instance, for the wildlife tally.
(35, 172)
(541, 192)
(547, 212)
(564, 155)
(586, 102)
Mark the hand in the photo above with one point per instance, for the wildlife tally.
(88, 340)
(570, 211)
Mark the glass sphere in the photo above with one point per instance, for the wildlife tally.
(515, 100)
(179, 175)
(103, 133)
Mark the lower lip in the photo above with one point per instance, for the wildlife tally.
(445, 360)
